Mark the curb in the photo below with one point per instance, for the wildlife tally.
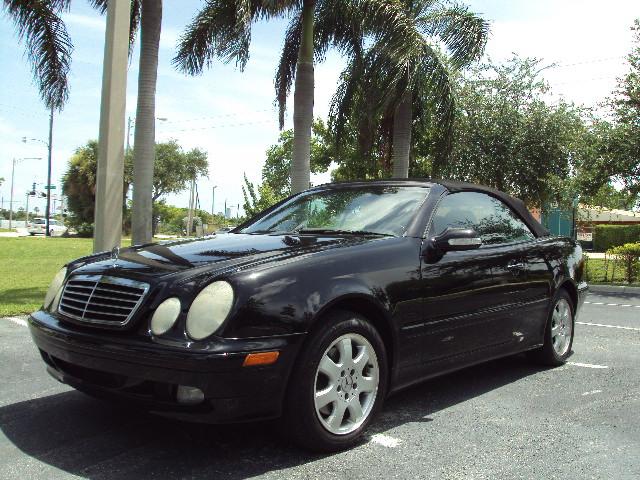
(614, 289)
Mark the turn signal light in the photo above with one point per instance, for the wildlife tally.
(263, 358)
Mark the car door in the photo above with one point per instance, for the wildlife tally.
(466, 294)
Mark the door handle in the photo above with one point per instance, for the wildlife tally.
(516, 266)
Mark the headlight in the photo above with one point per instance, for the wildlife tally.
(209, 309)
(165, 316)
(54, 290)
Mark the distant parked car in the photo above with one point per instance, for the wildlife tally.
(39, 225)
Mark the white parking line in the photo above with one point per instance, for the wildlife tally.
(613, 304)
(586, 365)
(633, 329)
(17, 321)
(385, 440)
(592, 392)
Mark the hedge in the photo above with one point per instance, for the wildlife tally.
(609, 236)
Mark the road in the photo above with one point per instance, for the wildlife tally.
(505, 419)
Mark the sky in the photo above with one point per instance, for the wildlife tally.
(231, 114)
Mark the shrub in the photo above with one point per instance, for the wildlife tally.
(609, 236)
(629, 255)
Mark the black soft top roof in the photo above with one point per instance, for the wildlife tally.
(515, 203)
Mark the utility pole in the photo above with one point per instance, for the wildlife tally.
(190, 211)
(48, 207)
(110, 172)
(27, 220)
(129, 121)
(13, 171)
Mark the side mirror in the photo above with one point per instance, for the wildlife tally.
(456, 239)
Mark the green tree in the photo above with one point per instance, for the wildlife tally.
(79, 184)
(222, 29)
(175, 168)
(1, 181)
(48, 46)
(508, 137)
(276, 179)
(390, 90)
(621, 151)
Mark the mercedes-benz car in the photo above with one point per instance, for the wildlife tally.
(317, 309)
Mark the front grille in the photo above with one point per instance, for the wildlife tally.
(102, 300)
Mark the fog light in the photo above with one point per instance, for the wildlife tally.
(189, 395)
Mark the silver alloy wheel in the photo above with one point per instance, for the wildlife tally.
(561, 327)
(346, 384)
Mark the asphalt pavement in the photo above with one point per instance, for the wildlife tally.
(506, 419)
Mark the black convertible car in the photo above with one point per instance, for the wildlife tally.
(316, 309)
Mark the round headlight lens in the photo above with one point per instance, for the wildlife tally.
(209, 309)
(165, 316)
(54, 288)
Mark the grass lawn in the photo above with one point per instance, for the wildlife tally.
(613, 273)
(29, 264)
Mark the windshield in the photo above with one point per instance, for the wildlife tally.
(375, 209)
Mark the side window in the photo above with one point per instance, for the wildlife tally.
(491, 218)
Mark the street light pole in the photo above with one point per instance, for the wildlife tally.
(48, 207)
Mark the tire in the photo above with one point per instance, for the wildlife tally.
(321, 368)
(558, 333)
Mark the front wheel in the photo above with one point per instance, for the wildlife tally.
(338, 385)
(558, 335)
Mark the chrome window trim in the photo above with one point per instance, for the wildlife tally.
(104, 279)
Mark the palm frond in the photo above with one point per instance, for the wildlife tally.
(221, 29)
(287, 66)
(433, 85)
(464, 33)
(338, 24)
(47, 43)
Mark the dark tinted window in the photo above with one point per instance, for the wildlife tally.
(491, 218)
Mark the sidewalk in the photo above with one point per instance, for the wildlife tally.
(594, 254)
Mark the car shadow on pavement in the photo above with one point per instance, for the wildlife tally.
(91, 439)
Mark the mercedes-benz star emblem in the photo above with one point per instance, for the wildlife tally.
(115, 252)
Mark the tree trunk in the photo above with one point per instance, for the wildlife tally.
(145, 133)
(402, 136)
(303, 104)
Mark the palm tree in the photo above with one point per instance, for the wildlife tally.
(222, 29)
(146, 16)
(386, 91)
(47, 43)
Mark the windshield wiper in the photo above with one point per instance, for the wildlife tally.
(341, 232)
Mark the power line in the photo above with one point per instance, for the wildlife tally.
(211, 127)
(587, 62)
(213, 117)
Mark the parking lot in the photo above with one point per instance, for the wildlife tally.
(506, 419)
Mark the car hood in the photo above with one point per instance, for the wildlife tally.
(217, 252)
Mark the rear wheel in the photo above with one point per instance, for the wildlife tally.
(338, 385)
(558, 335)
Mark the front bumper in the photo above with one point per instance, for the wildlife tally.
(148, 374)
